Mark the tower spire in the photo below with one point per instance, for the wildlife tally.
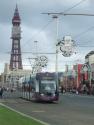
(16, 17)
(15, 60)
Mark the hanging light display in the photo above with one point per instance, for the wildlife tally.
(43, 61)
(67, 46)
(40, 62)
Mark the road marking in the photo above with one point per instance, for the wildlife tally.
(79, 95)
(39, 111)
(44, 123)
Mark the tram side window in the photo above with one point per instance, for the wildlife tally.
(33, 85)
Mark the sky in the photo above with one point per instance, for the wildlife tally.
(36, 26)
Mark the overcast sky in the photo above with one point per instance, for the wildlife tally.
(36, 26)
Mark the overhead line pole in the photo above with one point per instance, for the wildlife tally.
(69, 14)
(36, 53)
(55, 17)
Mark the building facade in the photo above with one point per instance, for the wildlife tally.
(10, 78)
(89, 60)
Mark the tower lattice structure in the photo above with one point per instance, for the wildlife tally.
(16, 60)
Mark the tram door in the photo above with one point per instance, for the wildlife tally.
(37, 86)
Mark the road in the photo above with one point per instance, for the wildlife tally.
(71, 110)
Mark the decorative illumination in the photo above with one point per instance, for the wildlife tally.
(67, 46)
(40, 62)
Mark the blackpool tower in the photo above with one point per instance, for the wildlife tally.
(16, 60)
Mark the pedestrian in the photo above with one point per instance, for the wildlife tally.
(11, 90)
(1, 92)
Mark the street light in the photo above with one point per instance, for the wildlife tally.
(36, 50)
(55, 17)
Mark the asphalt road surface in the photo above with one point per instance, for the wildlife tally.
(71, 110)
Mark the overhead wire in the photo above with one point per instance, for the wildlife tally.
(85, 31)
(81, 34)
(77, 4)
(87, 44)
(36, 34)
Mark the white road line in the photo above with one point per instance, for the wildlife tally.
(79, 95)
(44, 123)
(39, 111)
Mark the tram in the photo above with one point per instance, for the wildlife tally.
(40, 87)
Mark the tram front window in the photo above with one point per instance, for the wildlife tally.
(48, 86)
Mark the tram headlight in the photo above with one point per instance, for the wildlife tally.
(53, 94)
(42, 94)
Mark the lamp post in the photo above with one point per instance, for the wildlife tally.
(36, 50)
(55, 17)
(77, 77)
(66, 76)
(90, 77)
